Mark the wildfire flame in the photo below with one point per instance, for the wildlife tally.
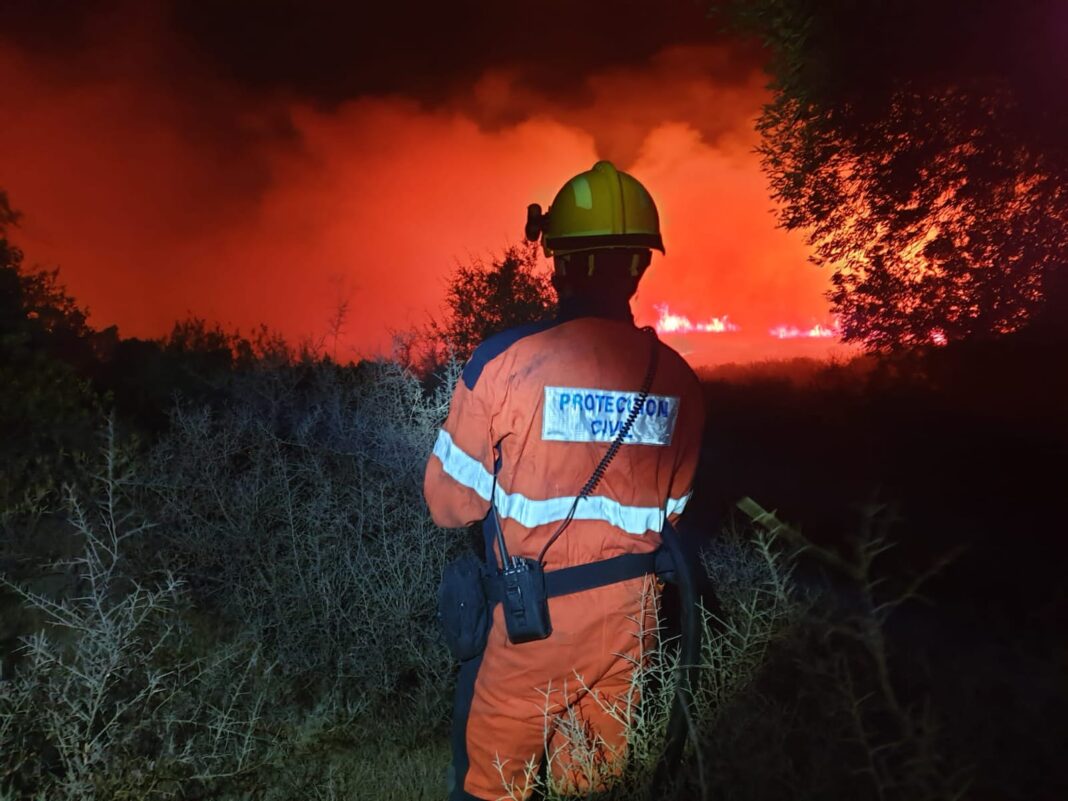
(815, 332)
(670, 323)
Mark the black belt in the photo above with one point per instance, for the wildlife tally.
(568, 580)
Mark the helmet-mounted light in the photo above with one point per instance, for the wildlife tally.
(535, 222)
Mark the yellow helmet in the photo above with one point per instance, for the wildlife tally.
(598, 209)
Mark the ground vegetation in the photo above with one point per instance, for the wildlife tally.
(227, 590)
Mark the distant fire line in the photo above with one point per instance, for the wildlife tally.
(671, 323)
(815, 332)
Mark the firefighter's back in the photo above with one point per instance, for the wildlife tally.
(565, 390)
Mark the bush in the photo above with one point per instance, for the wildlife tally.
(105, 700)
(827, 715)
(293, 559)
(47, 410)
(296, 511)
(481, 300)
(151, 665)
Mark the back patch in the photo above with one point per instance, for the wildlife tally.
(596, 415)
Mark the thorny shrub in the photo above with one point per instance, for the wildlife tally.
(297, 511)
(104, 701)
(293, 560)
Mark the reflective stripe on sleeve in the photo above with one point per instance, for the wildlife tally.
(468, 471)
(462, 467)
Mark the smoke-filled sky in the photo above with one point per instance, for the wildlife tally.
(256, 161)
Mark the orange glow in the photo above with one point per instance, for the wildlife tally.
(163, 198)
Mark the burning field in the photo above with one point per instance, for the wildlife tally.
(719, 340)
(163, 187)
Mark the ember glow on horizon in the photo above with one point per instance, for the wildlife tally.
(160, 199)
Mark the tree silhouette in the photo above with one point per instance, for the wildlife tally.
(47, 408)
(922, 147)
(484, 299)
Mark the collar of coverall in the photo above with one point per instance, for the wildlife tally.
(579, 306)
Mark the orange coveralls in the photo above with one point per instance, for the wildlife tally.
(552, 396)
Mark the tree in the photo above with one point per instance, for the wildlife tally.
(483, 299)
(48, 411)
(922, 147)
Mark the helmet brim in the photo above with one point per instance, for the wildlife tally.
(562, 245)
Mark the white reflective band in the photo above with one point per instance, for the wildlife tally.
(529, 512)
(572, 414)
(463, 467)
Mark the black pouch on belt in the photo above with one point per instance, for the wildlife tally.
(463, 610)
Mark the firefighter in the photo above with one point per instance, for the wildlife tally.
(532, 416)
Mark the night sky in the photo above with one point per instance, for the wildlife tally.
(255, 162)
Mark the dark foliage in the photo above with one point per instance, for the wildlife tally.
(58, 375)
(197, 362)
(922, 147)
(47, 411)
(483, 299)
(968, 443)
